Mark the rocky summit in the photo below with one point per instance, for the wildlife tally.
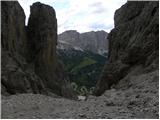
(95, 42)
(29, 63)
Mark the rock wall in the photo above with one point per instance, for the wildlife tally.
(133, 42)
(42, 38)
(13, 29)
(29, 62)
(15, 77)
(91, 41)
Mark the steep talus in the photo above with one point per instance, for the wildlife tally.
(29, 62)
(133, 43)
(138, 102)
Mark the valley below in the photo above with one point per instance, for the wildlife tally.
(83, 67)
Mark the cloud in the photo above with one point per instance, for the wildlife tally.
(81, 15)
(100, 25)
(97, 8)
(95, 4)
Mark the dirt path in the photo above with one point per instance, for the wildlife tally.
(140, 100)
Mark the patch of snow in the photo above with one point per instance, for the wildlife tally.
(81, 98)
(78, 48)
(102, 52)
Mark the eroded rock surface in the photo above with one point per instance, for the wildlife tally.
(133, 42)
(140, 101)
(13, 29)
(42, 33)
(29, 62)
(16, 77)
(94, 41)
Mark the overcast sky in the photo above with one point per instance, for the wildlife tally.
(80, 15)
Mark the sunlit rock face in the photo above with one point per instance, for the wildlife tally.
(133, 42)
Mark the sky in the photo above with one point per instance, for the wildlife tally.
(80, 15)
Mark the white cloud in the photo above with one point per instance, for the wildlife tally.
(81, 15)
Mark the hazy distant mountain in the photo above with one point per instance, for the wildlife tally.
(95, 42)
(83, 55)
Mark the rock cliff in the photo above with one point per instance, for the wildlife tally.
(29, 62)
(42, 33)
(13, 29)
(91, 41)
(133, 43)
(16, 78)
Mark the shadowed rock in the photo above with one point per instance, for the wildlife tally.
(29, 62)
(42, 33)
(133, 42)
(15, 76)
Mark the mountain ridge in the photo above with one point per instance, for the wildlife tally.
(94, 41)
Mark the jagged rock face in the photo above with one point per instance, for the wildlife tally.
(92, 41)
(29, 63)
(133, 42)
(13, 29)
(18, 77)
(42, 33)
(15, 76)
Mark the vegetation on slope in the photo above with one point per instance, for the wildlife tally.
(83, 67)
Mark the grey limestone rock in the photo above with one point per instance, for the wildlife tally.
(95, 42)
(29, 63)
(134, 41)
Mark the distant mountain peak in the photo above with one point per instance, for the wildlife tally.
(94, 41)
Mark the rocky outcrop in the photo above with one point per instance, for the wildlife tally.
(15, 77)
(42, 33)
(133, 42)
(13, 29)
(29, 62)
(42, 38)
(95, 42)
